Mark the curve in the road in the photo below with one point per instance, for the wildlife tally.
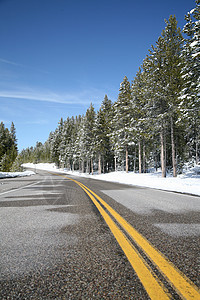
(154, 287)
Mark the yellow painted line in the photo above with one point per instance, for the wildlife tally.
(178, 280)
(183, 286)
(146, 276)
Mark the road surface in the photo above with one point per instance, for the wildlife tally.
(66, 237)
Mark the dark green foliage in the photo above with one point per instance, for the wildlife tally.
(190, 98)
(8, 147)
(102, 134)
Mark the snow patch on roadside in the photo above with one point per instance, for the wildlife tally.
(187, 183)
(16, 174)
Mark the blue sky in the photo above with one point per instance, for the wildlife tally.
(58, 56)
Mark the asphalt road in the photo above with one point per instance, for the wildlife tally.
(55, 244)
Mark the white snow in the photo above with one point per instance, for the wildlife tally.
(192, 10)
(189, 182)
(15, 174)
(196, 54)
(193, 43)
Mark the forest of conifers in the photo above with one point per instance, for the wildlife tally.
(155, 121)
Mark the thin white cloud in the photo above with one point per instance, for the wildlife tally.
(82, 97)
(37, 122)
(5, 61)
(9, 62)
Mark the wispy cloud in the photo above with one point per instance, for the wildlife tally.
(82, 97)
(5, 61)
(12, 63)
(37, 122)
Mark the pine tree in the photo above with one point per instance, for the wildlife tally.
(77, 143)
(55, 143)
(190, 97)
(166, 68)
(89, 128)
(87, 139)
(81, 144)
(8, 147)
(17, 165)
(173, 42)
(139, 116)
(2, 139)
(13, 151)
(13, 134)
(122, 114)
(102, 135)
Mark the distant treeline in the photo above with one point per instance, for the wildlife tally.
(154, 122)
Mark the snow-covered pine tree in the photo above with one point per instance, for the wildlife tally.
(166, 65)
(65, 139)
(107, 108)
(81, 144)
(13, 135)
(121, 121)
(55, 142)
(102, 134)
(74, 139)
(13, 151)
(153, 68)
(173, 43)
(190, 97)
(78, 149)
(139, 120)
(8, 147)
(150, 131)
(87, 138)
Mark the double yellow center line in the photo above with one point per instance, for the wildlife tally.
(154, 287)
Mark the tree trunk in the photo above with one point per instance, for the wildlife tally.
(88, 166)
(99, 166)
(83, 166)
(79, 165)
(162, 154)
(134, 166)
(144, 157)
(126, 159)
(115, 163)
(103, 166)
(173, 149)
(197, 157)
(165, 150)
(140, 157)
(92, 170)
(156, 163)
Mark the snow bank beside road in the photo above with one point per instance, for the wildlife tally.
(187, 183)
(180, 184)
(15, 174)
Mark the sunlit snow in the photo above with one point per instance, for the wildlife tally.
(186, 183)
(15, 174)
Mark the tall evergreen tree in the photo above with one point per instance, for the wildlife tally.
(139, 116)
(121, 121)
(102, 134)
(13, 151)
(55, 142)
(173, 42)
(190, 97)
(166, 67)
(8, 147)
(87, 138)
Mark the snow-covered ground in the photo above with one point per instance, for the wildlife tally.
(15, 174)
(187, 183)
